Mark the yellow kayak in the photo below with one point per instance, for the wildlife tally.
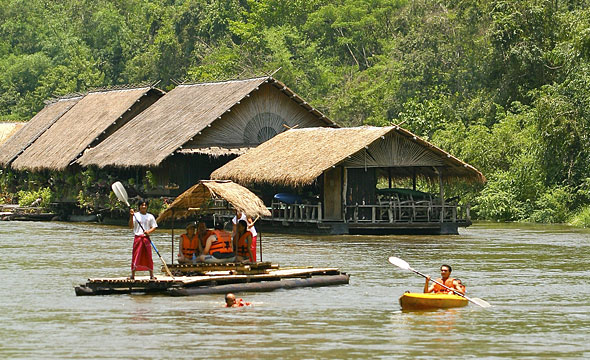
(417, 301)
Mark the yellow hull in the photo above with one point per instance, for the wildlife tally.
(418, 301)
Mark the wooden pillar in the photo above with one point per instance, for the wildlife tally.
(344, 190)
(389, 175)
(413, 179)
(441, 194)
(172, 262)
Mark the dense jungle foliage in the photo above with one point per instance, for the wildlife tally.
(503, 85)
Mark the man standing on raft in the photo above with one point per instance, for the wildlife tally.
(445, 279)
(141, 259)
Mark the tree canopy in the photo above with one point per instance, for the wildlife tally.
(504, 85)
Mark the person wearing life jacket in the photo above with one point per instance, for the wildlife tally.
(231, 301)
(203, 233)
(447, 280)
(242, 216)
(219, 247)
(189, 245)
(244, 243)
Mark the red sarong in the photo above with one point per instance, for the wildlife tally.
(141, 259)
(253, 247)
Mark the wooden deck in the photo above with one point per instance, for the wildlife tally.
(386, 217)
(216, 280)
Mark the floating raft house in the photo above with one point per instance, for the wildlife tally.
(202, 279)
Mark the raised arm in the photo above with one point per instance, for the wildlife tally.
(131, 212)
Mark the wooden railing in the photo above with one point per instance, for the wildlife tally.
(311, 213)
(394, 212)
(409, 212)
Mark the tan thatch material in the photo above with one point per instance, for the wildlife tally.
(65, 140)
(200, 195)
(33, 129)
(8, 129)
(299, 156)
(215, 151)
(185, 115)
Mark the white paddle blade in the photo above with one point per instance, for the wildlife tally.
(400, 263)
(120, 192)
(480, 302)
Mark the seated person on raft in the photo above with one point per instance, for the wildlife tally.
(219, 247)
(203, 233)
(244, 243)
(445, 279)
(189, 245)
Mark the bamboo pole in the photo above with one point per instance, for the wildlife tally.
(172, 261)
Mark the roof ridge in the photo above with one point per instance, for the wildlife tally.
(262, 78)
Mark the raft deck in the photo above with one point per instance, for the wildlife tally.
(216, 279)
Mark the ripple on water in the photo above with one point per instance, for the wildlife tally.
(534, 276)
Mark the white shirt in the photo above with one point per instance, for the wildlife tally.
(251, 229)
(147, 221)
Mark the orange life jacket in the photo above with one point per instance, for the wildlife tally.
(239, 303)
(222, 243)
(189, 246)
(243, 245)
(448, 283)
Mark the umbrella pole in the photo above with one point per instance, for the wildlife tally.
(260, 242)
(172, 262)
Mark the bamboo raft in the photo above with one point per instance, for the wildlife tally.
(216, 279)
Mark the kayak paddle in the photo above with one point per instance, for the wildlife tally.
(121, 194)
(404, 265)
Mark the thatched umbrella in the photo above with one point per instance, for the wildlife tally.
(199, 198)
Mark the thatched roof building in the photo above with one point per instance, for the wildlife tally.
(200, 195)
(7, 129)
(211, 119)
(297, 157)
(33, 129)
(94, 117)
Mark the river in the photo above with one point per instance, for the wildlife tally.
(536, 277)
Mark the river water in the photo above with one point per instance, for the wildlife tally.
(536, 277)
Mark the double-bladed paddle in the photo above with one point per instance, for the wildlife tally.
(121, 194)
(404, 265)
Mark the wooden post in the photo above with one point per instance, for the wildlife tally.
(172, 262)
(260, 242)
(413, 179)
(442, 195)
(319, 212)
(344, 190)
(389, 175)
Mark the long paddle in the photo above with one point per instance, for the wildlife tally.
(404, 265)
(121, 194)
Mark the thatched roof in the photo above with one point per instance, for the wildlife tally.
(7, 129)
(215, 151)
(176, 119)
(299, 156)
(34, 128)
(78, 129)
(200, 195)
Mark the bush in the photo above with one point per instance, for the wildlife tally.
(499, 201)
(41, 198)
(156, 206)
(553, 206)
(582, 218)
